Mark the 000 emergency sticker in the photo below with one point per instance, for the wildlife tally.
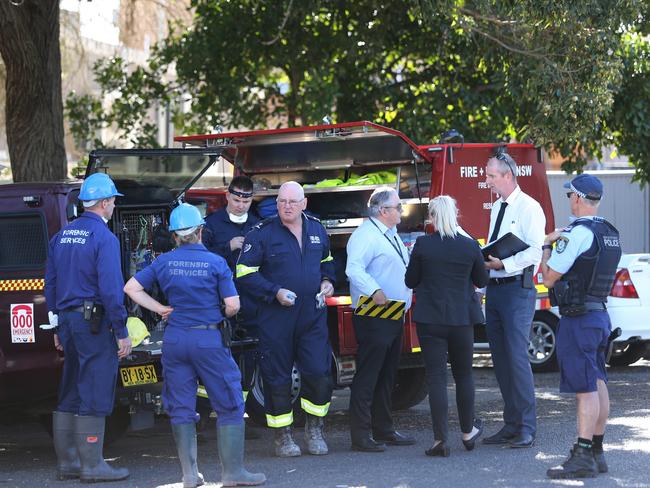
(22, 323)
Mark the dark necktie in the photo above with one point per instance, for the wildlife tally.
(497, 226)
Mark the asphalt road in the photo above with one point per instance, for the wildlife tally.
(27, 458)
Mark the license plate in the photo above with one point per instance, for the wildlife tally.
(138, 375)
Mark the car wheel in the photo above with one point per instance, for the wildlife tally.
(255, 400)
(410, 388)
(631, 354)
(542, 343)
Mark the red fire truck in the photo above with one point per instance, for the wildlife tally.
(338, 164)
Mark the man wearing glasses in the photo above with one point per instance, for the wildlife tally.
(285, 263)
(579, 274)
(376, 267)
(510, 301)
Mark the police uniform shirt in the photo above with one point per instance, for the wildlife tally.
(571, 244)
(375, 263)
(525, 218)
(194, 280)
(84, 264)
(272, 259)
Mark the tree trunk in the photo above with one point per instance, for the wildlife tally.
(29, 45)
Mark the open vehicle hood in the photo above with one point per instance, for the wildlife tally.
(152, 175)
(349, 145)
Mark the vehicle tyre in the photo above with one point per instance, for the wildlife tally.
(542, 346)
(116, 424)
(255, 400)
(410, 388)
(631, 354)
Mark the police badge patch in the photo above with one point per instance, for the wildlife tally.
(247, 247)
(561, 243)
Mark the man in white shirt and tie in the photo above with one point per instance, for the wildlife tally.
(510, 301)
(376, 265)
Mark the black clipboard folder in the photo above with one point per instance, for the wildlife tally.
(505, 246)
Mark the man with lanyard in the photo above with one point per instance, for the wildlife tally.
(83, 288)
(224, 235)
(286, 264)
(510, 301)
(376, 266)
(579, 273)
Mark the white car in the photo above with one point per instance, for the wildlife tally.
(628, 305)
(629, 308)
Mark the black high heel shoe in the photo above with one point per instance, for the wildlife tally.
(469, 443)
(439, 450)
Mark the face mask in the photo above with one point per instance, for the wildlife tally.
(238, 219)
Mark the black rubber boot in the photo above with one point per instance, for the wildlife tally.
(68, 465)
(89, 435)
(579, 464)
(230, 440)
(185, 438)
(599, 457)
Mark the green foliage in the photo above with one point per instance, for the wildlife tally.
(555, 72)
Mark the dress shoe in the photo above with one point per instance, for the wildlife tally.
(522, 440)
(396, 439)
(469, 443)
(438, 450)
(502, 437)
(368, 444)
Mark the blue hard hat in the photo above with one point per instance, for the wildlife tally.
(185, 216)
(98, 186)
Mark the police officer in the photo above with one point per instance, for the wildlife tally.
(224, 234)
(579, 273)
(195, 281)
(285, 262)
(83, 288)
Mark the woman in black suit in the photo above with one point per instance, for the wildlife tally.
(444, 269)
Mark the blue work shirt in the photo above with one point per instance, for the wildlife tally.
(272, 259)
(84, 264)
(219, 230)
(194, 281)
(571, 244)
(377, 259)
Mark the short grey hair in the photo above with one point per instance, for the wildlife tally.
(444, 213)
(505, 164)
(379, 199)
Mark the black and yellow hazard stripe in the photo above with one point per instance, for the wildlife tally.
(393, 310)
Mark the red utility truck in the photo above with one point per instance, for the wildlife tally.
(339, 165)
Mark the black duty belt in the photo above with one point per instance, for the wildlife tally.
(595, 307)
(79, 309)
(504, 280)
(206, 326)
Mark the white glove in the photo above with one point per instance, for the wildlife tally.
(54, 319)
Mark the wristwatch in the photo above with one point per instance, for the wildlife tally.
(547, 246)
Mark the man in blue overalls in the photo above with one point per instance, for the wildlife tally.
(224, 235)
(580, 273)
(195, 281)
(285, 263)
(83, 286)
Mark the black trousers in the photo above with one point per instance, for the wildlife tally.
(438, 341)
(379, 345)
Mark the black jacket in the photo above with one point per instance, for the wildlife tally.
(443, 273)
